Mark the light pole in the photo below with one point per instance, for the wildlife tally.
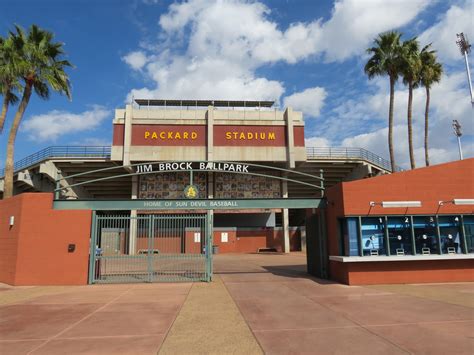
(458, 134)
(465, 49)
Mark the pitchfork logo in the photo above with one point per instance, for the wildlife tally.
(191, 191)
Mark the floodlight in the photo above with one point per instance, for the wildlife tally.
(465, 48)
(458, 202)
(463, 43)
(458, 134)
(463, 201)
(389, 204)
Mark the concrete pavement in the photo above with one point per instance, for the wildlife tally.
(257, 303)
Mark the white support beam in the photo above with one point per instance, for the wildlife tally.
(285, 221)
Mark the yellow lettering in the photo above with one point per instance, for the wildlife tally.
(170, 135)
(162, 135)
(235, 134)
(271, 135)
(250, 135)
(194, 135)
(262, 135)
(147, 134)
(154, 135)
(227, 135)
(185, 135)
(177, 136)
(242, 135)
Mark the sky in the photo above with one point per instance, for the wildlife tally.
(306, 54)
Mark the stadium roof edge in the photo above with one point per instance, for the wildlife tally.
(204, 103)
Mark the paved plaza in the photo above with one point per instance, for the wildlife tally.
(256, 304)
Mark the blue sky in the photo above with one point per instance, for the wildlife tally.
(306, 54)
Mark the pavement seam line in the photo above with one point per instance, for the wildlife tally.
(345, 315)
(79, 321)
(357, 326)
(242, 315)
(431, 299)
(174, 320)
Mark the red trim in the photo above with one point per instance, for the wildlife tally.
(195, 135)
(118, 134)
(298, 136)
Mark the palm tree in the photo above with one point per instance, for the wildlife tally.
(410, 70)
(8, 77)
(385, 60)
(41, 68)
(430, 73)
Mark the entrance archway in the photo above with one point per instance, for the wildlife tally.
(153, 240)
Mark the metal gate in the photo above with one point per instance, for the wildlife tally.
(150, 248)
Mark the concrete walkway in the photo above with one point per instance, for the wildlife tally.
(257, 303)
(210, 323)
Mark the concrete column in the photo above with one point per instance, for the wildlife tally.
(303, 239)
(285, 221)
(290, 148)
(132, 245)
(127, 140)
(210, 133)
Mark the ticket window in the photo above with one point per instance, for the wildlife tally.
(450, 234)
(426, 238)
(469, 233)
(373, 236)
(399, 235)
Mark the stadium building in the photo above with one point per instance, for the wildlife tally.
(186, 179)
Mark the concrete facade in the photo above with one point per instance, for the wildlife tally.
(212, 134)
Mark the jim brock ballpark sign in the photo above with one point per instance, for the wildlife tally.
(191, 166)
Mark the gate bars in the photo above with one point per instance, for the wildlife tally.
(150, 248)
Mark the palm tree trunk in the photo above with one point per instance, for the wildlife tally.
(390, 123)
(409, 124)
(3, 115)
(8, 187)
(427, 109)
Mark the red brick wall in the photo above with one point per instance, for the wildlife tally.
(239, 241)
(429, 185)
(249, 241)
(42, 236)
(9, 237)
(170, 244)
(400, 272)
(339, 272)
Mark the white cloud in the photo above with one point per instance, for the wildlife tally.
(136, 60)
(310, 101)
(94, 141)
(449, 100)
(443, 34)
(225, 42)
(49, 126)
(317, 142)
(354, 24)
(439, 151)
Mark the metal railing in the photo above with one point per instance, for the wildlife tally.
(104, 152)
(61, 152)
(347, 153)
